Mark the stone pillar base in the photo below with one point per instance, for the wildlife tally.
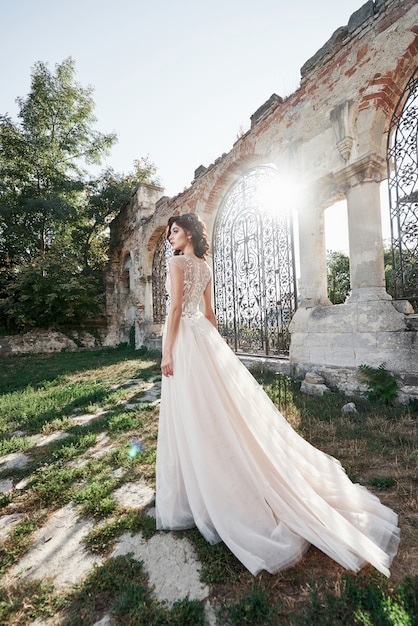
(368, 294)
(347, 335)
(312, 302)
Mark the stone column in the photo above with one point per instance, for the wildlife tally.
(367, 272)
(312, 253)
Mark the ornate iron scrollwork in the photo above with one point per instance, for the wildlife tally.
(402, 160)
(254, 274)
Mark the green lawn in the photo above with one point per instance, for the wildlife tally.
(44, 394)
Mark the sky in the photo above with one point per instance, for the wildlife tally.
(176, 80)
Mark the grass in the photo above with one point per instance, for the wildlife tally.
(121, 586)
(46, 395)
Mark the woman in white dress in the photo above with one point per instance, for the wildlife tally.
(227, 460)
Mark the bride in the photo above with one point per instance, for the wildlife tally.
(229, 463)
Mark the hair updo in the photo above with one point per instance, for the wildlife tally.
(194, 226)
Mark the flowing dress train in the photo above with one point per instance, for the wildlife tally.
(229, 463)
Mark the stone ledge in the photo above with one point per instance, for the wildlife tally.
(40, 341)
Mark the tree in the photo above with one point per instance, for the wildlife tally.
(338, 276)
(105, 196)
(54, 218)
(43, 159)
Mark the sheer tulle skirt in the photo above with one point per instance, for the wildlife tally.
(229, 463)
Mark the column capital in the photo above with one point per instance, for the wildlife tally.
(371, 167)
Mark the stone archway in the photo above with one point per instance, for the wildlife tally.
(253, 258)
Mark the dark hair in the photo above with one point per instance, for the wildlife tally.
(192, 224)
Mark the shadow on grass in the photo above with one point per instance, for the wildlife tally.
(19, 371)
(120, 587)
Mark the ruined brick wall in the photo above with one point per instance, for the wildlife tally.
(329, 136)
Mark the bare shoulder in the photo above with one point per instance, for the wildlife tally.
(177, 261)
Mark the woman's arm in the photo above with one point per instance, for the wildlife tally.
(173, 322)
(207, 305)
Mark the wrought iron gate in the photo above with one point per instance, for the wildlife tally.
(402, 160)
(254, 274)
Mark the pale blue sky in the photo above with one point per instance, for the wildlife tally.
(176, 80)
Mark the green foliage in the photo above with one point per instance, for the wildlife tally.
(96, 497)
(101, 538)
(30, 600)
(72, 446)
(32, 409)
(53, 486)
(218, 564)
(382, 482)
(54, 219)
(338, 277)
(251, 608)
(361, 601)
(51, 291)
(42, 159)
(44, 392)
(382, 386)
(120, 587)
(16, 545)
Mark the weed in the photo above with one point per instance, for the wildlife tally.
(218, 564)
(27, 601)
(123, 421)
(14, 444)
(73, 446)
(96, 497)
(53, 486)
(361, 601)
(101, 538)
(16, 544)
(120, 587)
(382, 482)
(254, 607)
(382, 386)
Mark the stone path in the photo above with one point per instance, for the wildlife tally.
(58, 550)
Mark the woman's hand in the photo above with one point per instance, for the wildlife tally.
(167, 365)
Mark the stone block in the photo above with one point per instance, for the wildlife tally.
(341, 317)
(300, 321)
(314, 379)
(6, 485)
(350, 407)
(410, 391)
(398, 351)
(378, 316)
(14, 460)
(313, 390)
(299, 352)
(403, 306)
(7, 523)
(360, 16)
(326, 355)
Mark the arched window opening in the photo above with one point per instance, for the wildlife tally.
(125, 277)
(254, 273)
(402, 162)
(162, 253)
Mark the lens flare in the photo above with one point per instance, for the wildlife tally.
(136, 446)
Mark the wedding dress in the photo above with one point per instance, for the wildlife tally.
(229, 463)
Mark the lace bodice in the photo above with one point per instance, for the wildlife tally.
(196, 275)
